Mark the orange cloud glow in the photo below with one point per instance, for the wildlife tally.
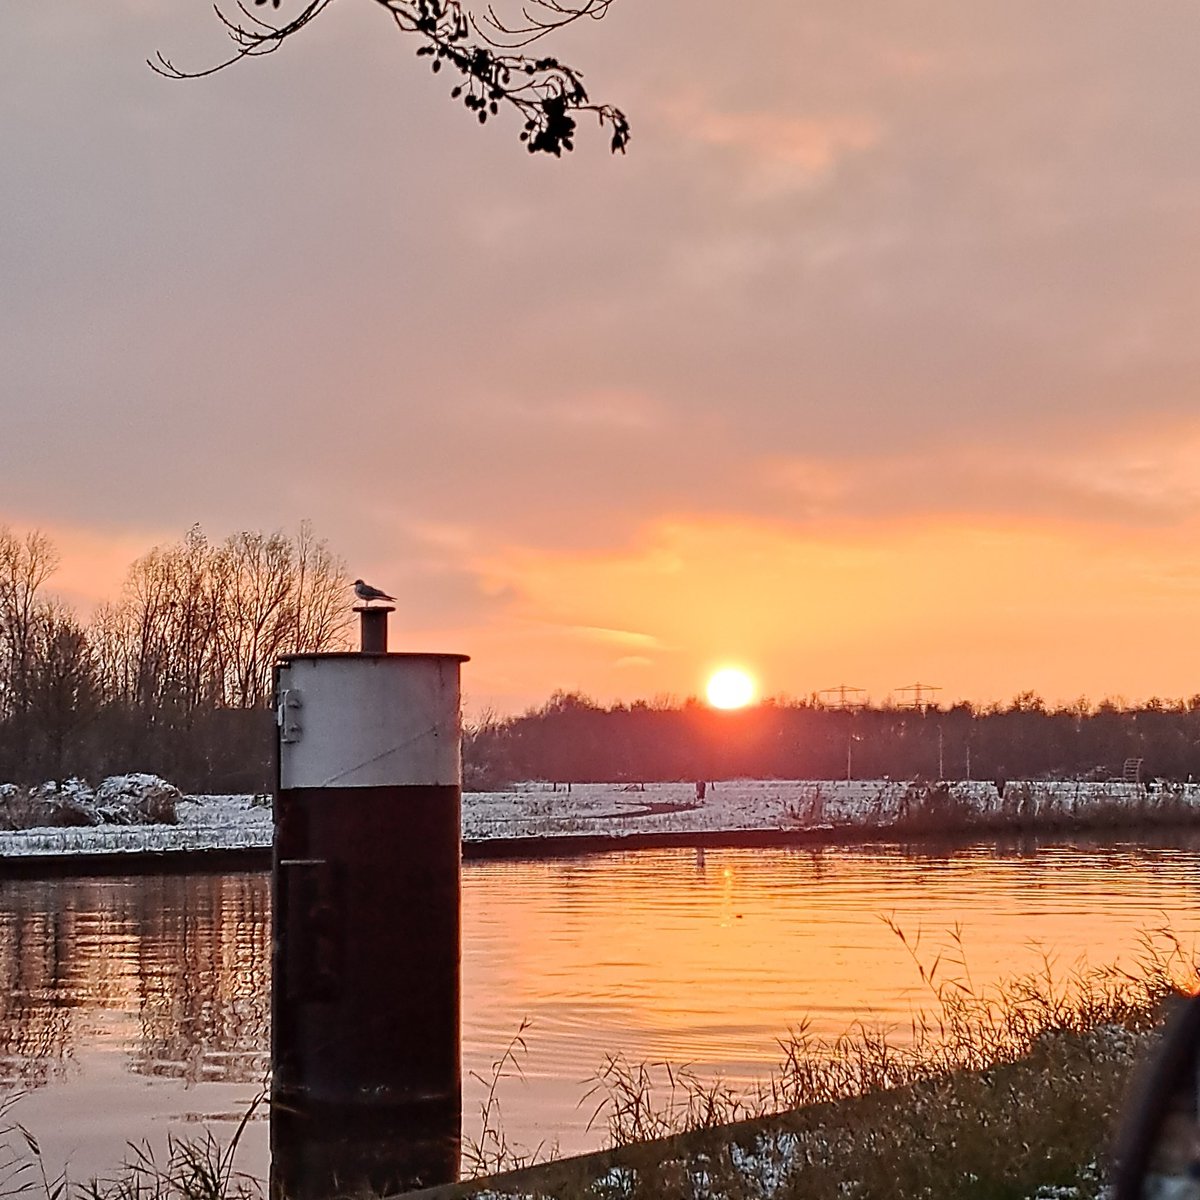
(812, 143)
(985, 611)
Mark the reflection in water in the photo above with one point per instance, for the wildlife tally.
(320, 1151)
(186, 958)
(203, 977)
(134, 1007)
(34, 1022)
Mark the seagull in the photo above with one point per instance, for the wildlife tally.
(367, 593)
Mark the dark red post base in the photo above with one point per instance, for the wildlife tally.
(367, 1076)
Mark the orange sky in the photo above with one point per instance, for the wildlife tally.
(983, 611)
(873, 361)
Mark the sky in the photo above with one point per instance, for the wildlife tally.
(874, 360)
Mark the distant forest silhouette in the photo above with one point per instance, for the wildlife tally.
(572, 739)
(175, 678)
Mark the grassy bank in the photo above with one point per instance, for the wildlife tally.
(1002, 1092)
(1008, 1132)
(1035, 807)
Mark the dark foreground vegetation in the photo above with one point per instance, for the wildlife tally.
(1038, 1127)
(175, 676)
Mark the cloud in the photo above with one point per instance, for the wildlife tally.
(1123, 475)
(578, 412)
(621, 637)
(781, 151)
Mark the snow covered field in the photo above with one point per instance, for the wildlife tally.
(537, 810)
(612, 810)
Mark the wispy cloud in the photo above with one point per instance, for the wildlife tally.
(580, 411)
(620, 637)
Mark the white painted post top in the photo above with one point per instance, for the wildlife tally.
(370, 720)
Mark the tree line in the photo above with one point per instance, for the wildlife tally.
(572, 739)
(173, 677)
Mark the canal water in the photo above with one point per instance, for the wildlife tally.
(136, 1008)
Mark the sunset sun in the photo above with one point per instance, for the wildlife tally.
(730, 688)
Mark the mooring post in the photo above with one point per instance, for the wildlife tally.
(366, 1072)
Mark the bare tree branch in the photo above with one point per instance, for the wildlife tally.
(484, 52)
(499, 33)
(251, 41)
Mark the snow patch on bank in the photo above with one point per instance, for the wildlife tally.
(198, 822)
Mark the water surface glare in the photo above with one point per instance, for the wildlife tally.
(134, 1007)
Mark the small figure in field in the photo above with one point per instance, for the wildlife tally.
(367, 593)
(701, 789)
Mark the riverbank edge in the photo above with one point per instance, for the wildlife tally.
(757, 1157)
(1041, 1132)
(220, 860)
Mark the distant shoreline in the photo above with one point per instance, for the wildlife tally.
(257, 859)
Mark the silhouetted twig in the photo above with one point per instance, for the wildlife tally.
(548, 94)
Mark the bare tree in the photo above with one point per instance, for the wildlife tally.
(281, 595)
(63, 688)
(261, 613)
(111, 648)
(201, 626)
(25, 565)
(486, 54)
(320, 600)
(172, 677)
(156, 650)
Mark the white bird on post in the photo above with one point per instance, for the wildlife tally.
(366, 593)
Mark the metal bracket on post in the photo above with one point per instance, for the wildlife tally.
(290, 728)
